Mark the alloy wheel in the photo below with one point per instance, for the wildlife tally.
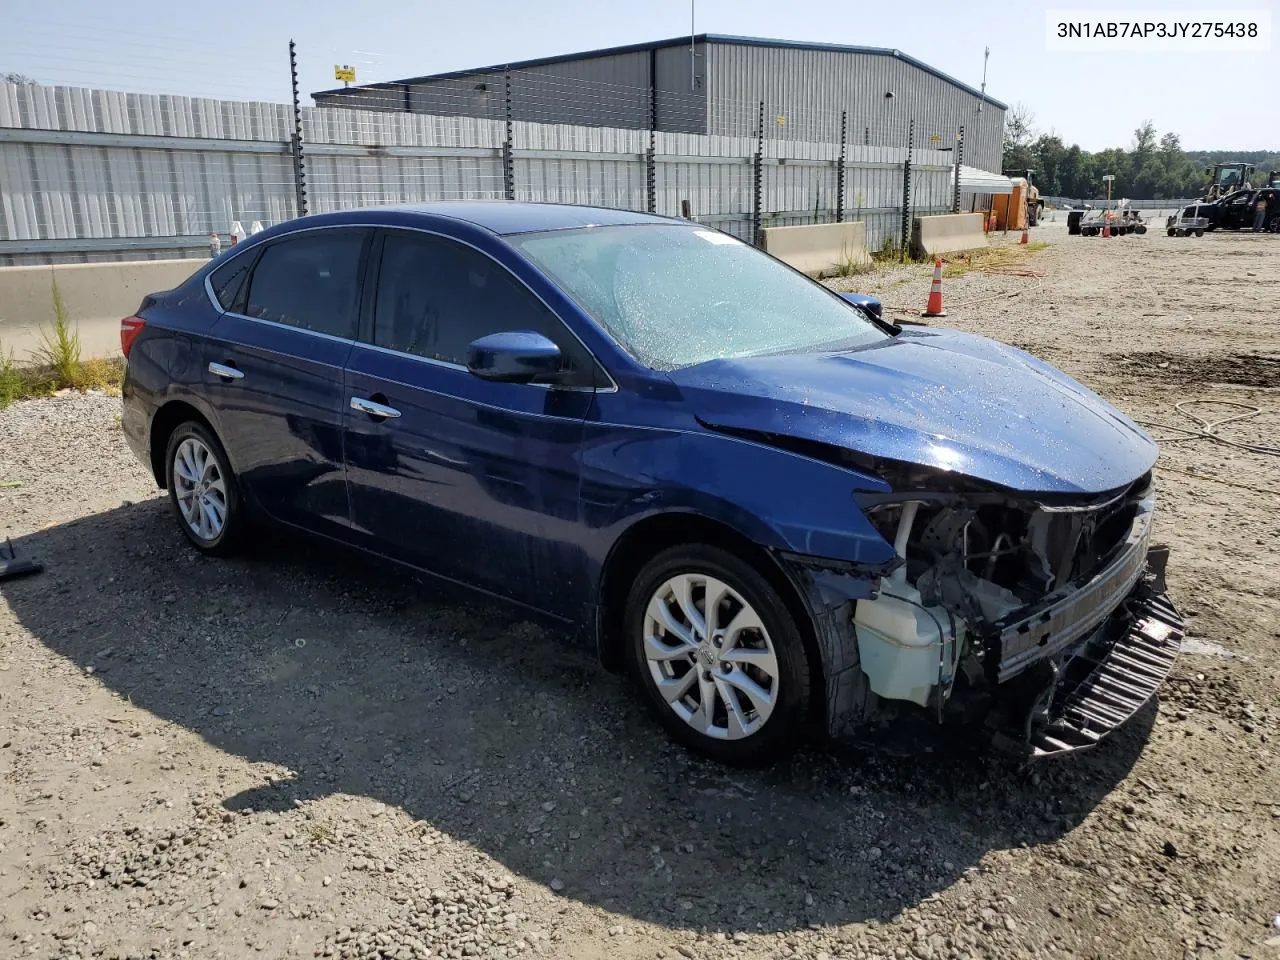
(200, 489)
(710, 656)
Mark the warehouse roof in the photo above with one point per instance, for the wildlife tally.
(677, 42)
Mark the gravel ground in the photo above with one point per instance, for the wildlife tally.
(292, 754)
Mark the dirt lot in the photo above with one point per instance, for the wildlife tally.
(293, 754)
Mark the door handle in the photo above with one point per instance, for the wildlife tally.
(374, 409)
(226, 372)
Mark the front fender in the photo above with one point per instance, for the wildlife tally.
(781, 500)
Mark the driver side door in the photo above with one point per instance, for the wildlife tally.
(471, 480)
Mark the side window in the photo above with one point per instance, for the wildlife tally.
(436, 296)
(310, 280)
(228, 282)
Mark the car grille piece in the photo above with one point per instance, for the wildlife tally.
(1124, 678)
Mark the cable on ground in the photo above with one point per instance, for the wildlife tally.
(1207, 429)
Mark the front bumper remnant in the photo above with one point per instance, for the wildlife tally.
(1116, 683)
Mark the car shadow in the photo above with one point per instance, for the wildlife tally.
(508, 737)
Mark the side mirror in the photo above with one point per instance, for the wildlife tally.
(867, 302)
(516, 356)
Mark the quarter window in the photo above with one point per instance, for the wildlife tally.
(310, 280)
(436, 296)
(228, 282)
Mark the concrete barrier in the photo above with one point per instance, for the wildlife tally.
(947, 233)
(96, 295)
(820, 249)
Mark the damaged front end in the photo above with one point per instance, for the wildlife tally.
(1043, 617)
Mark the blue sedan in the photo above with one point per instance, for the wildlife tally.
(781, 514)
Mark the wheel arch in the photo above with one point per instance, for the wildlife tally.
(166, 419)
(648, 537)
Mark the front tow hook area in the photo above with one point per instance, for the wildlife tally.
(1114, 674)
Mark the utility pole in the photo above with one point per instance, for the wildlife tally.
(986, 55)
(693, 56)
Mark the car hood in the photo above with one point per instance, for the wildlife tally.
(940, 398)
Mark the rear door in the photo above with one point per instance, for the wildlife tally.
(275, 374)
(469, 479)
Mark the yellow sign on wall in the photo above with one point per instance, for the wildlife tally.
(934, 138)
(344, 73)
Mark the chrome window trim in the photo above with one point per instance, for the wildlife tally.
(288, 326)
(208, 286)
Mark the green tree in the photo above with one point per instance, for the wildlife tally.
(1048, 152)
(1019, 133)
(1112, 161)
(1070, 172)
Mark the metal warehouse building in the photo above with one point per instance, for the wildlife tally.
(714, 84)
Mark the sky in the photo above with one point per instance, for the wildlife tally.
(238, 49)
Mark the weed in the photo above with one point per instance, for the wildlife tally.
(59, 348)
(101, 373)
(321, 833)
(994, 259)
(887, 253)
(850, 264)
(10, 379)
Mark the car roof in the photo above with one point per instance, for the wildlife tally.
(505, 217)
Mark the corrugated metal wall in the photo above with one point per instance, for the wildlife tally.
(607, 91)
(101, 185)
(90, 175)
(804, 92)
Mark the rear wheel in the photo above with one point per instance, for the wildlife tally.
(720, 658)
(202, 490)
(1199, 233)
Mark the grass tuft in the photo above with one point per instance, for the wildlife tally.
(10, 378)
(59, 348)
(57, 363)
(994, 259)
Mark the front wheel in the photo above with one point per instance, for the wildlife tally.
(721, 660)
(203, 490)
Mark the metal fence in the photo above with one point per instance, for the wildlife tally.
(91, 174)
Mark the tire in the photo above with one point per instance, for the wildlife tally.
(1172, 232)
(765, 728)
(1199, 233)
(194, 447)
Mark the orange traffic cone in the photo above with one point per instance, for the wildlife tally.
(1106, 230)
(1024, 235)
(934, 309)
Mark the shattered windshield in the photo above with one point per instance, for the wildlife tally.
(677, 295)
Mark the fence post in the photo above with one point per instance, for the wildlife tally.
(299, 171)
(844, 116)
(758, 186)
(906, 188)
(508, 158)
(650, 163)
(959, 155)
